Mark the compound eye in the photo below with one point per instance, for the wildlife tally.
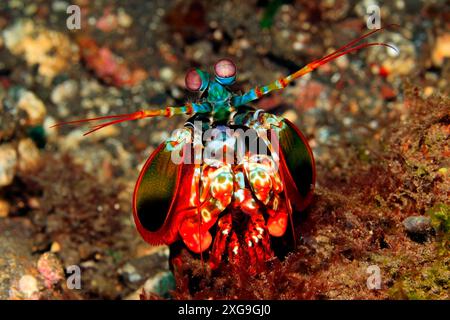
(225, 71)
(196, 80)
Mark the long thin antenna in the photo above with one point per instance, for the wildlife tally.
(279, 84)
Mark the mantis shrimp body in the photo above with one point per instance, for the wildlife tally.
(225, 186)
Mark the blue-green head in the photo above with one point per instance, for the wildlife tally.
(214, 90)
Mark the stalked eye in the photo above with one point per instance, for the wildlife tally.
(225, 71)
(225, 68)
(196, 80)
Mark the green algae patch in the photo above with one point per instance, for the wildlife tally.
(431, 282)
(440, 220)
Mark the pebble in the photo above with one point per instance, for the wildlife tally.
(124, 20)
(30, 9)
(417, 224)
(218, 35)
(343, 62)
(166, 74)
(60, 6)
(29, 156)
(72, 140)
(51, 51)
(4, 208)
(51, 133)
(106, 132)
(298, 46)
(55, 247)
(291, 115)
(8, 164)
(50, 267)
(34, 202)
(33, 106)
(64, 91)
(428, 91)
(441, 49)
(28, 286)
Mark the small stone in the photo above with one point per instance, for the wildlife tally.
(130, 273)
(166, 74)
(343, 62)
(30, 9)
(64, 91)
(107, 132)
(298, 46)
(4, 208)
(8, 164)
(60, 6)
(55, 247)
(441, 49)
(34, 203)
(417, 224)
(72, 140)
(244, 43)
(124, 19)
(218, 35)
(28, 286)
(51, 133)
(50, 267)
(29, 156)
(33, 106)
(291, 115)
(428, 91)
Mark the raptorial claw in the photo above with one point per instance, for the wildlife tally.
(196, 239)
(277, 224)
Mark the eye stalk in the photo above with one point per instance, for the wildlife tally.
(225, 71)
(196, 80)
